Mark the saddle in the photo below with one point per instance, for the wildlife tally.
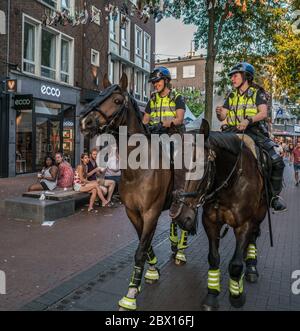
(261, 155)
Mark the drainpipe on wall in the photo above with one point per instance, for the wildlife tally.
(8, 36)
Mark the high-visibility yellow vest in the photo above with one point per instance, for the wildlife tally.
(162, 109)
(241, 106)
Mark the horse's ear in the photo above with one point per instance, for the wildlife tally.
(204, 128)
(124, 82)
(106, 82)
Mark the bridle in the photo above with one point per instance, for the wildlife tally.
(110, 120)
(206, 194)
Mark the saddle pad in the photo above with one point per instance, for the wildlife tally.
(249, 142)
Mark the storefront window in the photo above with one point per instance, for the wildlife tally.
(24, 142)
(48, 54)
(47, 108)
(69, 135)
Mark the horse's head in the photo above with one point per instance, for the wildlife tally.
(184, 209)
(104, 110)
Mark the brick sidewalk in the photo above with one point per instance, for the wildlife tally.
(37, 259)
(183, 288)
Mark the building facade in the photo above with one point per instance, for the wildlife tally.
(187, 72)
(59, 67)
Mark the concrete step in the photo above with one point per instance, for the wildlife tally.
(36, 210)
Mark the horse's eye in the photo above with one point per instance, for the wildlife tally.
(118, 102)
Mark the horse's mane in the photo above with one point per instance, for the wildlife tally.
(226, 141)
(135, 107)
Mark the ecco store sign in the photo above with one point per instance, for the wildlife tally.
(23, 102)
(51, 91)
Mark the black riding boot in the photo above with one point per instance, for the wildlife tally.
(276, 181)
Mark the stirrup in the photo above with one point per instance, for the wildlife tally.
(278, 197)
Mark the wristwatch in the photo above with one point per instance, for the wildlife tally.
(250, 119)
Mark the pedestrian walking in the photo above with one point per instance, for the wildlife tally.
(295, 158)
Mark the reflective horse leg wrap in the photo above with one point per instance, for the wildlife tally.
(173, 236)
(152, 274)
(236, 288)
(251, 253)
(214, 281)
(135, 283)
(182, 245)
(251, 274)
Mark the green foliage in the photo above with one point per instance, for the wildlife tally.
(194, 100)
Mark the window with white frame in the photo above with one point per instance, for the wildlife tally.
(2, 22)
(173, 72)
(59, 5)
(112, 71)
(29, 57)
(137, 85)
(48, 62)
(125, 34)
(95, 58)
(189, 71)
(146, 88)
(65, 60)
(147, 47)
(47, 52)
(138, 41)
(113, 27)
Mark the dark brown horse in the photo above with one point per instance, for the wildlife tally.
(145, 193)
(231, 192)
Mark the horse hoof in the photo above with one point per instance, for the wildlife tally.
(179, 262)
(251, 274)
(127, 304)
(210, 302)
(237, 302)
(152, 276)
(251, 278)
(151, 281)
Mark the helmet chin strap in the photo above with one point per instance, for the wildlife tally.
(243, 82)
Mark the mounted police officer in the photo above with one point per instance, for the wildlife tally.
(245, 110)
(164, 108)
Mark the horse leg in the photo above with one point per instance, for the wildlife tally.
(237, 296)
(178, 245)
(173, 237)
(251, 274)
(145, 229)
(152, 274)
(180, 258)
(213, 281)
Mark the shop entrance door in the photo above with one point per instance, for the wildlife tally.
(48, 138)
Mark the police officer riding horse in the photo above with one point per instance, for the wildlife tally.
(164, 113)
(244, 111)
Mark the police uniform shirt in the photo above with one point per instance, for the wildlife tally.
(261, 99)
(179, 102)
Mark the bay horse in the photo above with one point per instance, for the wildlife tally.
(144, 193)
(230, 192)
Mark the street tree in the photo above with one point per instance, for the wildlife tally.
(225, 28)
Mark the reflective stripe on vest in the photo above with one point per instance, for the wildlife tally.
(162, 109)
(241, 106)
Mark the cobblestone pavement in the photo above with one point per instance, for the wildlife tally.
(183, 288)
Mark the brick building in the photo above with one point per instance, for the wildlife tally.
(187, 72)
(59, 68)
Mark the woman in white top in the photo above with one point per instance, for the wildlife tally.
(47, 179)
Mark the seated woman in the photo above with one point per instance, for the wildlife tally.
(47, 179)
(81, 184)
(94, 173)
